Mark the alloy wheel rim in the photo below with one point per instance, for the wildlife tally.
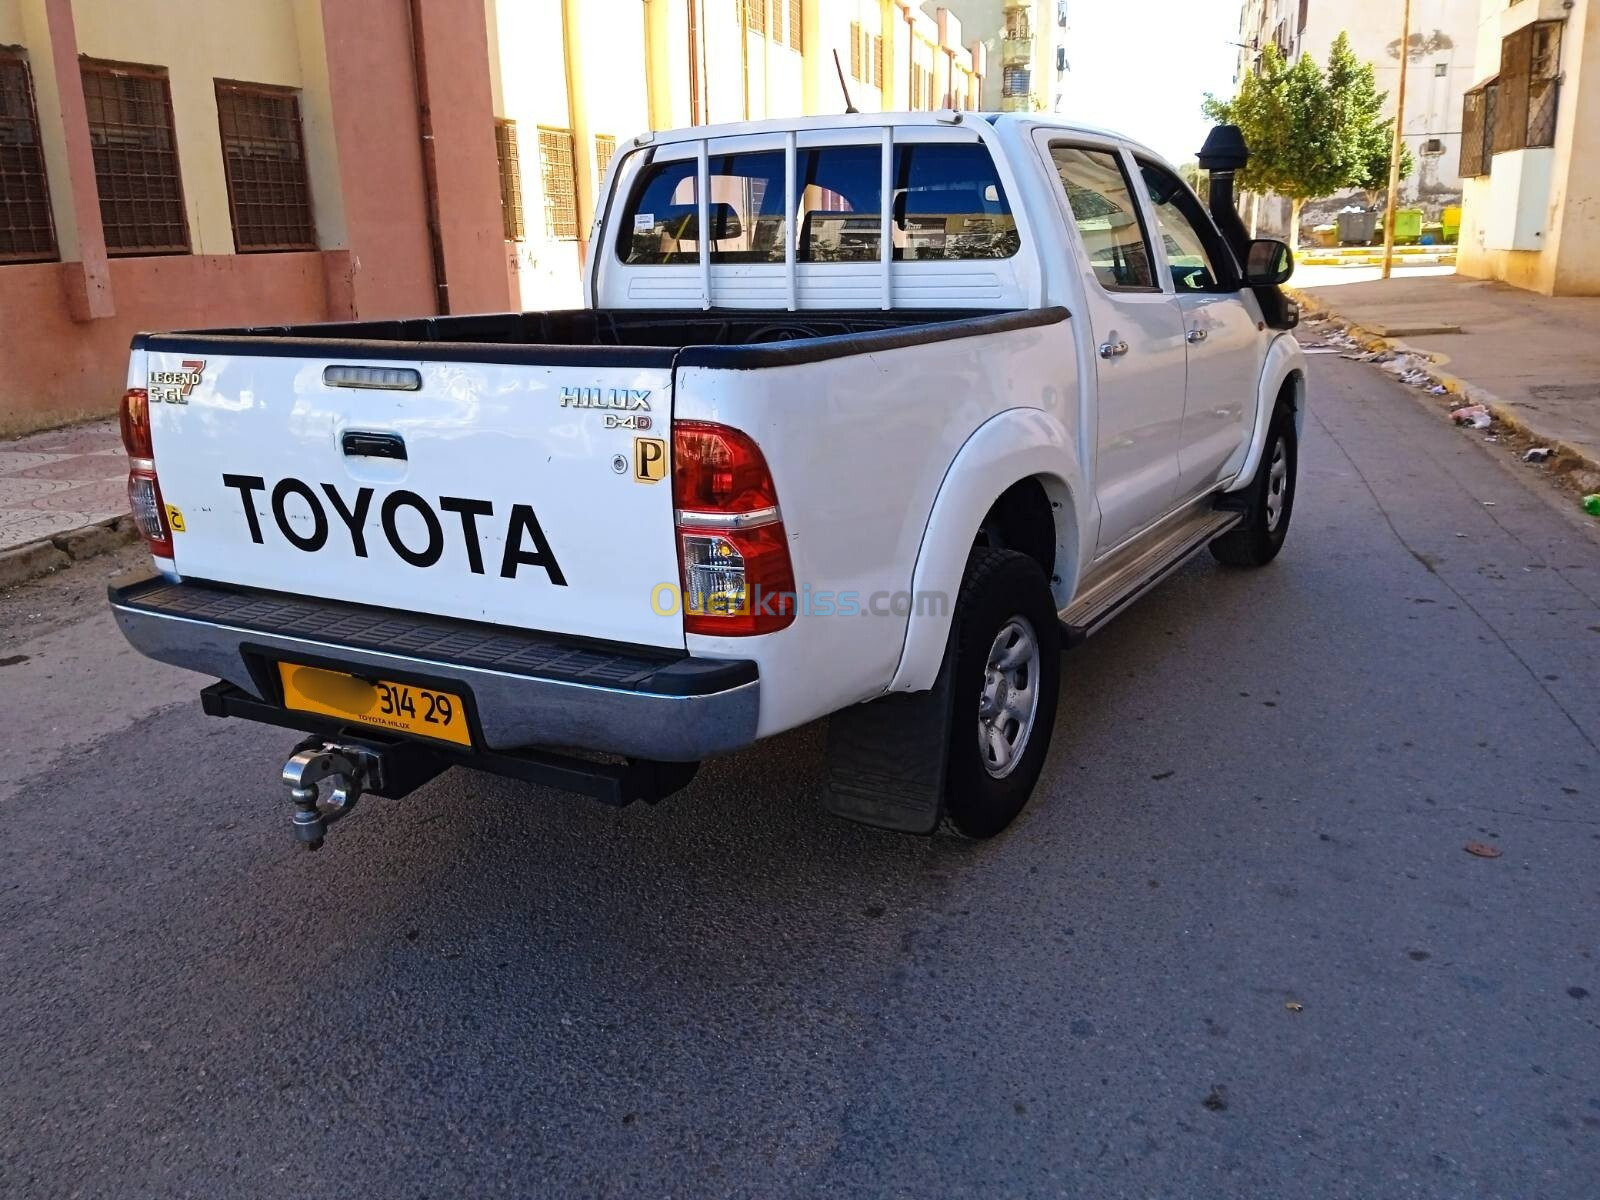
(1277, 485)
(1010, 698)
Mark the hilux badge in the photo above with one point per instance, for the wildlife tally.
(615, 399)
(173, 387)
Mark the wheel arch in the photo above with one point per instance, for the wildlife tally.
(1019, 453)
(1284, 374)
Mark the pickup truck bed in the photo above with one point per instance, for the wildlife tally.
(572, 336)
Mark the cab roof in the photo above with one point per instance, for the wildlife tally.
(939, 119)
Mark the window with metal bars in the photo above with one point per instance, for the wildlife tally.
(27, 232)
(877, 61)
(794, 26)
(1544, 83)
(1015, 81)
(856, 54)
(264, 157)
(1474, 134)
(1530, 83)
(605, 149)
(505, 150)
(558, 171)
(135, 159)
(755, 16)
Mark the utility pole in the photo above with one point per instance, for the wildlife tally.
(1397, 145)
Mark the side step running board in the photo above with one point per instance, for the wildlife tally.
(1132, 571)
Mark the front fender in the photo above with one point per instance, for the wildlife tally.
(1018, 444)
(1285, 360)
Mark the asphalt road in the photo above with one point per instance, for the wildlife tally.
(1234, 948)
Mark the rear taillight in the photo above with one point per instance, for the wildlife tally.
(732, 550)
(144, 491)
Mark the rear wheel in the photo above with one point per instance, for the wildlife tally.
(1004, 660)
(1256, 540)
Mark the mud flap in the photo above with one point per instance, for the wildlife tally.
(887, 759)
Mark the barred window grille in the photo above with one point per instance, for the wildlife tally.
(264, 156)
(510, 160)
(1491, 107)
(855, 52)
(557, 170)
(1473, 157)
(1544, 83)
(135, 159)
(605, 149)
(1511, 122)
(877, 61)
(794, 26)
(27, 232)
(755, 15)
(1015, 81)
(1530, 70)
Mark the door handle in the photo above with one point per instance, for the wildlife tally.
(358, 443)
(1195, 335)
(1113, 349)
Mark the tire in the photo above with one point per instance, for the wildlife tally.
(997, 742)
(1256, 540)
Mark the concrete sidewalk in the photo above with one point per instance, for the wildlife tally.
(1537, 356)
(63, 496)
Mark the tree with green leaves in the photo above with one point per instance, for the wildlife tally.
(1311, 132)
(1353, 92)
(1373, 178)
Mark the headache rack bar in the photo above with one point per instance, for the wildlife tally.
(791, 206)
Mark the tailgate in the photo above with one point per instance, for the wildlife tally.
(514, 493)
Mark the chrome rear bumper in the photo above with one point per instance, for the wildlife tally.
(529, 690)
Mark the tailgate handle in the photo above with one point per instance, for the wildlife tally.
(359, 443)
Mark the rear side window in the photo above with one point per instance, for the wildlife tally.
(1107, 217)
(948, 204)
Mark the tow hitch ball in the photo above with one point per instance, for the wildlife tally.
(351, 771)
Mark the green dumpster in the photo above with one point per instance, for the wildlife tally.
(1407, 225)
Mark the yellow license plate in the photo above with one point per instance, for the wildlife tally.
(424, 712)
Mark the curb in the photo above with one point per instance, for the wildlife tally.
(19, 564)
(1469, 393)
(1374, 260)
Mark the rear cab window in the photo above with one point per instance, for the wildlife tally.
(948, 204)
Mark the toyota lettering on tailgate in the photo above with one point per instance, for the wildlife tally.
(525, 543)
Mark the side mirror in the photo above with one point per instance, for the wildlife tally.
(1268, 263)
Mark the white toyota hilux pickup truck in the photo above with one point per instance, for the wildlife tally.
(867, 417)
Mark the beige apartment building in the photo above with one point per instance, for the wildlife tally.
(572, 79)
(1531, 151)
(1025, 42)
